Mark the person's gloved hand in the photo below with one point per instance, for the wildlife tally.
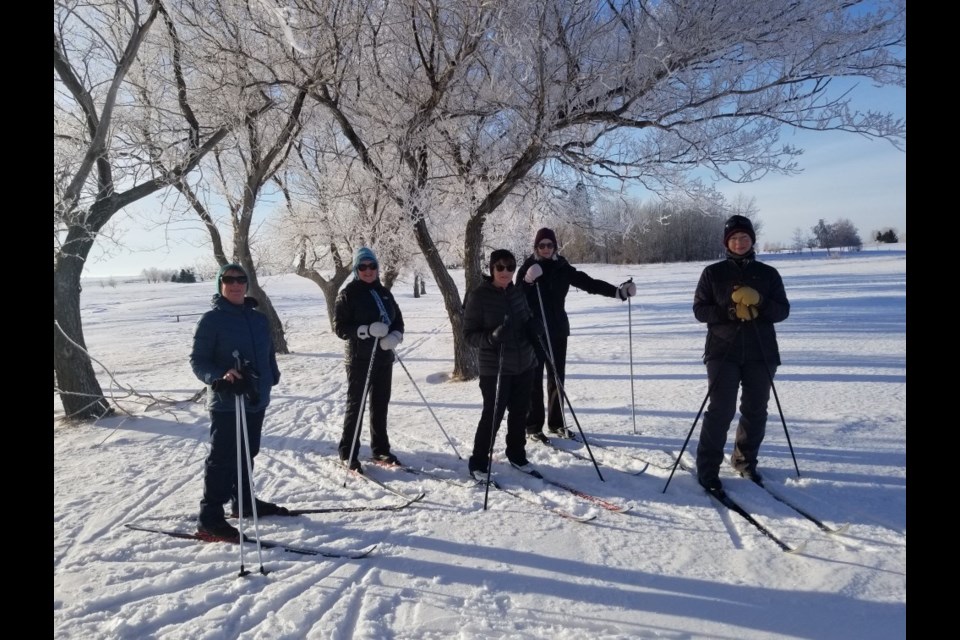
(363, 332)
(534, 272)
(500, 333)
(222, 385)
(626, 290)
(746, 312)
(391, 340)
(379, 330)
(745, 295)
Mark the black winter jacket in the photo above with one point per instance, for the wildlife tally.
(712, 304)
(356, 306)
(558, 276)
(484, 310)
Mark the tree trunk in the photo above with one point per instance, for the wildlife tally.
(389, 277)
(80, 393)
(276, 326)
(266, 305)
(330, 288)
(465, 365)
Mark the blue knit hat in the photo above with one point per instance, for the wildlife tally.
(363, 254)
(228, 267)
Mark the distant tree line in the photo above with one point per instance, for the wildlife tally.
(888, 236)
(153, 275)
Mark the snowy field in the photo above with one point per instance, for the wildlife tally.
(674, 565)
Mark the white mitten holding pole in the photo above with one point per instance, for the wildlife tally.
(391, 340)
(534, 272)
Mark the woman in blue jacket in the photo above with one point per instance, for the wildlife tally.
(233, 355)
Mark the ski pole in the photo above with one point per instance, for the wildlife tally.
(549, 351)
(363, 404)
(633, 401)
(397, 356)
(766, 364)
(241, 409)
(493, 427)
(702, 405)
(563, 395)
(237, 405)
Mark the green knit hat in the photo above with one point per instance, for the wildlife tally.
(228, 267)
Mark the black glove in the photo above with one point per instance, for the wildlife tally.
(249, 384)
(222, 385)
(500, 334)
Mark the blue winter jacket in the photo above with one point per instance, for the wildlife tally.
(221, 331)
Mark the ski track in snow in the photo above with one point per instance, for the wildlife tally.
(676, 565)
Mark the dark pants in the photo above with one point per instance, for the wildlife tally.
(381, 381)
(725, 379)
(535, 418)
(220, 470)
(514, 396)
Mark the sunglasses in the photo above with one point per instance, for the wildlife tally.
(233, 279)
(367, 266)
(545, 245)
(509, 267)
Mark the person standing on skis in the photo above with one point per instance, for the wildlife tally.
(498, 321)
(367, 317)
(547, 275)
(233, 326)
(740, 300)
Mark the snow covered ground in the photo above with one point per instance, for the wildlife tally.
(675, 565)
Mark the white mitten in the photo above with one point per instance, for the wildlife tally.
(532, 273)
(391, 340)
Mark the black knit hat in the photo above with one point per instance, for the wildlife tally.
(545, 234)
(501, 255)
(736, 224)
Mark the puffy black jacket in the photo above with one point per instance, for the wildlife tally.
(558, 276)
(484, 310)
(712, 304)
(356, 306)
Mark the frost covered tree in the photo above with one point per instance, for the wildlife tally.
(111, 150)
(458, 105)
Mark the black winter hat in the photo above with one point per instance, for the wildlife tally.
(546, 234)
(736, 224)
(501, 255)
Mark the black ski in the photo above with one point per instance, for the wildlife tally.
(606, 504)
(820, 524)
(266, 544)
(724, 499)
